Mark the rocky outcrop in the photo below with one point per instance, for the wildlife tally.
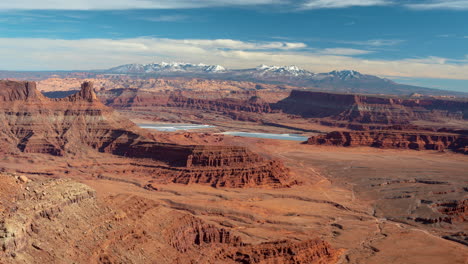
(217, 166)
(36, 124)
(267, 174)
(232, 102)
(393, 139)
(310, 251)
(47, 221)
(190, 233)
(370, 109)
(445, 212)
(32, 123)
(456, 211)
(44, 200)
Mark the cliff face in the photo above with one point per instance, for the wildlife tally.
(393, 139)
(190, 233)
(217, 166)
(36, 124)
(219, 102)
(370, 109)
(32, 123)
(43, 221)
(455, 211)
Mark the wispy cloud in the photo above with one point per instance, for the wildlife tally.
(127, 4)
(318, 4)
(165, 18)
(440, 4)
(50, 54)
(243, 45)
(344, 51)
(189, 4)
(375, 42)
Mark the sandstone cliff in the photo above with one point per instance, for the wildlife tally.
(32, 123)
(59, 220)
(394, 139)
(231, 103)
(371, 109)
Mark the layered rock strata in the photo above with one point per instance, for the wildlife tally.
(232, 104)
(370, 109)
(32, 123)
(394, 139)
(61, 220)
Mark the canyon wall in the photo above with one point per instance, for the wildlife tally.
(32, 123)
(394, 139)
(370, 109)
(58, 219)
(225, 102)
(356, 112)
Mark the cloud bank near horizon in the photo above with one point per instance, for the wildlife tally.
(87, 54)
(189, 4)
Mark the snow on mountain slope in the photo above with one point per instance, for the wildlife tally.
(165, 67)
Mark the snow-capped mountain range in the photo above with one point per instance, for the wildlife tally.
(165, 67)
(283, 70)
(262, 71)
(336, 81)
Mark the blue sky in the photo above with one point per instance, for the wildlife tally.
(423, 42)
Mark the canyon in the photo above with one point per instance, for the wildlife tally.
(36, 124)
(381, 178)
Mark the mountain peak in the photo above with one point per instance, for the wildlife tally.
(346, 74)
(292, 70)
(168, 67)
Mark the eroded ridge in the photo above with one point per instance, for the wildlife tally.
(394, 140)
(48, 214)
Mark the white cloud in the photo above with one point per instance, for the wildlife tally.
(85, 54)
(429, 60)
(126, 4)
(242, 45)
(344, 51)
(187, 4)
(375, 42)
(440, 4)
(316, 4)
(165, 18)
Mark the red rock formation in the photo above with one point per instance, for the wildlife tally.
(393, 139)
(33, 123)
(456, 211)
(310, 251)
(38, 124)
(357, 112)
(58, 219)
(189, 233)
(220, 102)
(371, 109)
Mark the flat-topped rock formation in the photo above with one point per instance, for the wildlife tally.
(357, 112)
(232, 103)
(371, 109)
(32, 123)
(394, 140)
